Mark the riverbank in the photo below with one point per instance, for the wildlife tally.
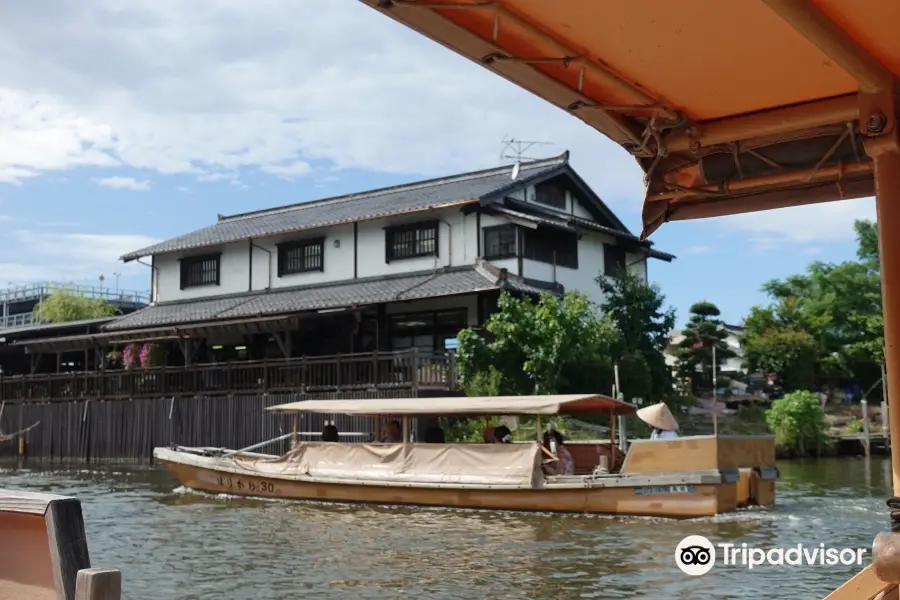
(844, 426)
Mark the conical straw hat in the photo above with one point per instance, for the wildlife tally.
(658, 416)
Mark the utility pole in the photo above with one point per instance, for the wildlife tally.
(715, 404)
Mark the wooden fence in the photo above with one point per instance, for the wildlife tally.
(411, 369)
(128, 430)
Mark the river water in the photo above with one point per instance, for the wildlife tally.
(173, 544)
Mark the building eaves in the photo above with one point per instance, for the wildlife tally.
(403, 199)
(343, 294)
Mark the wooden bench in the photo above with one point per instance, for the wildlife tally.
(44, 554)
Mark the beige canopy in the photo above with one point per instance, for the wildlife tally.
(571, 404)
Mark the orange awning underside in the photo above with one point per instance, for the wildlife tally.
(729, 106)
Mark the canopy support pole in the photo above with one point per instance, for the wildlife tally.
(884, 148)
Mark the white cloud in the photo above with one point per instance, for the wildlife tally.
(697, 250)
(43, 255)
(212, 177)
(194, 88)
(125, 183)
(289, 171)
(802, 225)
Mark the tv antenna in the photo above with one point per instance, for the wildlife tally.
(514, 149)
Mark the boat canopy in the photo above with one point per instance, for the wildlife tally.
(572, 404)
(728, 107)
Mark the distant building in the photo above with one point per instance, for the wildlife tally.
(734, 364)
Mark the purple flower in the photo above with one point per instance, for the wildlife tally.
(128, 356)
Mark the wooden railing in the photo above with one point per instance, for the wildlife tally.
(411, 369)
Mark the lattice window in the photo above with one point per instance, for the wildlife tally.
(302, 256)
(411, 241)
(200, 270)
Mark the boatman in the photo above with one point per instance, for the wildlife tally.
(660, 419)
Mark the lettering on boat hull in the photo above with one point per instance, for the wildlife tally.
(665, 489)
(242, 485)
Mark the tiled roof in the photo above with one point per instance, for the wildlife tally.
(426, 284)
(457, 189)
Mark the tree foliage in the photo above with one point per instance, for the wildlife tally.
(789, 353)
(798, 422)
(63, 306)
(546, 346)
(834, 307)
(643, 322)
(701, 334)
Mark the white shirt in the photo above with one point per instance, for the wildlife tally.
(662, 435)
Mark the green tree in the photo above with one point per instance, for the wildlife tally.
(539, 347)
(790, 353)
(701, 334)
(63, 305)
(839, 306)
(798, 422)
(639, 313)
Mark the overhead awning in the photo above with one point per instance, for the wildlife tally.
(571, 404)
(729, 107)
(246, 326)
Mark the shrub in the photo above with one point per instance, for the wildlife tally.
(798, 422)
(854, 426)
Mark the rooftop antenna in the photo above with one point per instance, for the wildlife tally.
(515, 150)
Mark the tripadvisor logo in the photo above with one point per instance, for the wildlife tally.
(696, 555)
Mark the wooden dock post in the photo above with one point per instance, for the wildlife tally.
(43, 551)
(98, 584)
(864, 404)
(885, 423)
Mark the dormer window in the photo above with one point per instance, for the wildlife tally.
(411, 241)
(549, 194)
(303, 256)
(197, 271)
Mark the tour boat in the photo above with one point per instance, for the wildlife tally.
(681, 477)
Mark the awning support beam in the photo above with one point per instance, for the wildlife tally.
(417, 16)
(822, 32)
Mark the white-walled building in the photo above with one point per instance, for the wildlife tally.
(402, 267)
(733, 339)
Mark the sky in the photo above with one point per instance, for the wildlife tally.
(125, 123)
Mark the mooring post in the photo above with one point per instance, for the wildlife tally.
(864, 404)
(885, 424)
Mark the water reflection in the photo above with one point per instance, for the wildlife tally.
(172, 544)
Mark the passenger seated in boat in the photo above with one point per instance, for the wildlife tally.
(660, 418)
(392, 434)
(330, 433)
(564, 464)
(434, 435)
(502, 435)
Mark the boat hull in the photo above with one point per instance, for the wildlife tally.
(664, 500)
